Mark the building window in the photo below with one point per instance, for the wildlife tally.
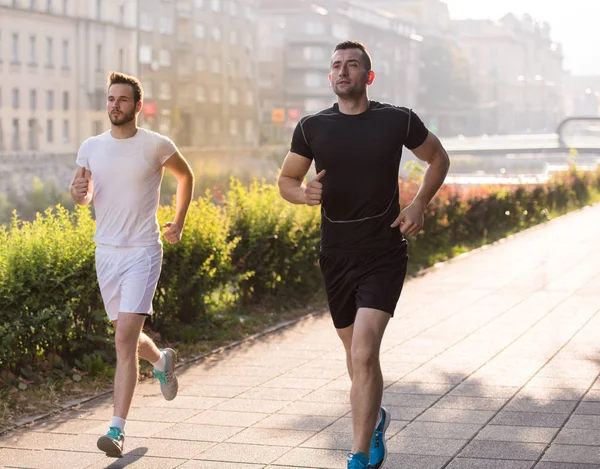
(216, 126)
(313, 80)
(122, 14)
(49, 58)
(233, 96)
(164, 124)
(66, 131)
(33, 100)
(65, 100)
(265, 81)
(249, 131)
(121, 59)
(314, 28)
(233, 127)
(164, 91)
(216, 34)
(50, 100)
(65, 7)
(166, 25)
(200, 30)
(32, 4)
(215, 95)
(249, 98)
(200, 94)
(145, 54)
(15, 49)
(50, 131)
(200, 63)
(49, 6)
(98, 10)
(148, 87)
(16, 143)
(99, 98)
(340, 31)
(233, 37)
(146, 22)
(32, 134)
(99, 57)
(65, 54)
(215, 5)
(199, 4)
(216, 65)
(15, 98)
(233, 9)
(32, 51)
(164, 58)
(313, 53)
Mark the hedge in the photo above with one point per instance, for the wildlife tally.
(238, 248)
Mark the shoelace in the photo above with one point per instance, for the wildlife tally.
(375, 440)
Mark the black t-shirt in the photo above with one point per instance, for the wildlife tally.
(361, 155)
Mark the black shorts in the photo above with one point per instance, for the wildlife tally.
(363, 281)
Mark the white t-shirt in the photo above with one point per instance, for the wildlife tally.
(127, 174)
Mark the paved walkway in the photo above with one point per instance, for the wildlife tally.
(492, 362)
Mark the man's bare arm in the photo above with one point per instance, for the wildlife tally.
(179, 167)
(291, 179)
(82, 186)
(433, 153)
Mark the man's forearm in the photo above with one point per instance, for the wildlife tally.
(292, 190)
(185, 191)
(433, 179)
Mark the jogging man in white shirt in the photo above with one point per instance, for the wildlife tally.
(122, 170)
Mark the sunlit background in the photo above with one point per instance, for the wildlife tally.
(228, 80)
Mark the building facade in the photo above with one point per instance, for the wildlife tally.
(517, 72)
(199, 69)
(296, 41)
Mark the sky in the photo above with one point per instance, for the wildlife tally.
(574, 24)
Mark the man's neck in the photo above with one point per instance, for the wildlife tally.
(353, 106)
(124, 131)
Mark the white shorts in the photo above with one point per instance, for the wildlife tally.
(128, 277)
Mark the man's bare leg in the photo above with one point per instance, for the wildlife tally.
(127, 336)
(362, 342)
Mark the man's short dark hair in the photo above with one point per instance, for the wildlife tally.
(356, 45)
(116, 78)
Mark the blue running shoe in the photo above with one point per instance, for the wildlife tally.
(358, 461)
(378, 451)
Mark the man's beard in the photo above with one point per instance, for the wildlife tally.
(347, 93)
(121, 119)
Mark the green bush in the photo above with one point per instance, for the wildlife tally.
(236, 249)
(197, 274)
(278, 245)
(49, 298)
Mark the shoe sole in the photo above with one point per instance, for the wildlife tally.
(386, 424)
(173, 359)
(110, 447)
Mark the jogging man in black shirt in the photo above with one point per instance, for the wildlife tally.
(356, 146)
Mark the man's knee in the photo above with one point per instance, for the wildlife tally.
(364, 358)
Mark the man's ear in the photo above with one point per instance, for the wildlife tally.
(329, 77)
(370, 77)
